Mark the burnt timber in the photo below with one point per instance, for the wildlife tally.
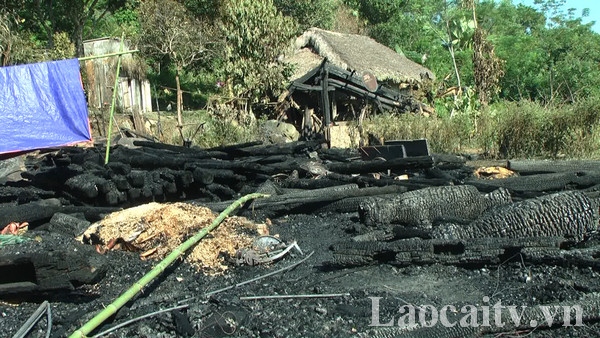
(66, 189)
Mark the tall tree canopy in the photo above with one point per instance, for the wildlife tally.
(256, 36)
(547, 54)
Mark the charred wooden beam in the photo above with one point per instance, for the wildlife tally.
(463, 252)
(541, 182)
(39, 212)
(398, 164)
(367, 181)
(448, 161)
(39, 267)
(291, 148)
(533, 167)
(424, 206)
(171, 147)
(570, 214)
(307, 201)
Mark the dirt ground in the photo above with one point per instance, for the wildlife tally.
(350, 315)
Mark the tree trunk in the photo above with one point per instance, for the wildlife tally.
(78, 37)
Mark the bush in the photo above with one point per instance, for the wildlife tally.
(444, 134)
(521, 129)
(527, 129)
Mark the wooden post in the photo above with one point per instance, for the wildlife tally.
(334, 111)
(326, 103)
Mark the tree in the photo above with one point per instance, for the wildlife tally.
(256, 36)
(555, 62)
(17, 45)
(309, 13)
(44, 18)
(168, 31)
(14, 47)
(487, 67)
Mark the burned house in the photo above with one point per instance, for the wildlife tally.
(342, 77)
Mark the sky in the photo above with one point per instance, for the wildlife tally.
(579, 5)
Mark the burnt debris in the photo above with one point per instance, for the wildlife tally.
(416, 213)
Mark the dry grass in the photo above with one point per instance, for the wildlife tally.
(504, 130)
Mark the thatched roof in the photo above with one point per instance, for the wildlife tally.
(356, 53)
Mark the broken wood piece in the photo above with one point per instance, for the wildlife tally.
(34, 267)
(422, 207)
(540, 183)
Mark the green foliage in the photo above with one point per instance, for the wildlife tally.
(444, 134)
(18, 46)
(309, 13)
(63, 47)
(256, 35)
(14, 48)
(215, 131)
(380, 11)
(122, 20)
(167, 30)
(505, 129)
(203, 8)
(559, 62)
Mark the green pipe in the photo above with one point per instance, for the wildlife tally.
(114, 99)
(158, 269)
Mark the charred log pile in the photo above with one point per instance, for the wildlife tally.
(75, 180)
(413, 210)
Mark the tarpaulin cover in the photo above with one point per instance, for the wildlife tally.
(42, 105)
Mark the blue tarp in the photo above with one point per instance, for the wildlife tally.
(42, 105)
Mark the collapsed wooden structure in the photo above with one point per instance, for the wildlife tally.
(340, 77)
(334, 88)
